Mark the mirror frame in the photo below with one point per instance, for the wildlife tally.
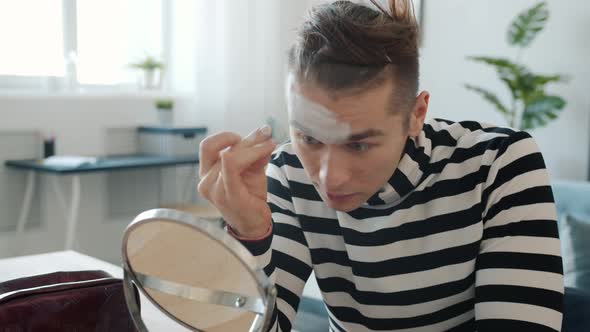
(215, 231)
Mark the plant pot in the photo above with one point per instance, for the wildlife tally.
(149, 79)
(165, 117)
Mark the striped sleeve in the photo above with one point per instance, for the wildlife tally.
(284, 255)
(519, 277)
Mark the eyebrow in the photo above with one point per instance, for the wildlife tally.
(300, 127)
(365, 134)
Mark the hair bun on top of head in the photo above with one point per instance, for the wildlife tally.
(398, 10)
(363, 32)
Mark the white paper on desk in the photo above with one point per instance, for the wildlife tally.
(68, 161)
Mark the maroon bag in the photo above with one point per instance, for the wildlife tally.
(64, 301)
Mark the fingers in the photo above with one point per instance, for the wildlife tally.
(211, 146)
(223, 179)
(256, 137)
(208, 180)
(223, 159)
(217, 192)
(261, 163)
(235, 161)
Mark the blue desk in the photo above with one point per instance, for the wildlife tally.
(109, 163)
(102, 164)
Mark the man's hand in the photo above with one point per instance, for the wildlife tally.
(233, 179)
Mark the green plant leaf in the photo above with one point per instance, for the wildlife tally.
(164, 104)
(148, 63)
(540, 110)
(490, 97)
(529, 102)
(541, 80)
(527, 25)
(510, 73)
(531, 85)
(504, 67)
(498, 63)
(512, 86)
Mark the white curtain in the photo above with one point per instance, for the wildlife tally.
(232, 55)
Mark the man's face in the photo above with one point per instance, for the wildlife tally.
(347, 173)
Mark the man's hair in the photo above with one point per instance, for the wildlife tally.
(348, 47)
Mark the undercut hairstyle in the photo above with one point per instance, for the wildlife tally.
(346, 47)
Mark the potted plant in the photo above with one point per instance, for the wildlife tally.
(164, 107)
(530, 106)
(150, 72)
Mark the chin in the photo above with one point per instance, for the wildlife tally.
(345, 209)
(342, 206)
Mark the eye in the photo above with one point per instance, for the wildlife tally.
(309, 140)
(357, 146)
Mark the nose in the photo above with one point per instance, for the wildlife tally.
(334, 172)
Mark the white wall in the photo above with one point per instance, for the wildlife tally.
(80, 123)
(240, 59)
(455, 29)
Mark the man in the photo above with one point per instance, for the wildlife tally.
(407, 225)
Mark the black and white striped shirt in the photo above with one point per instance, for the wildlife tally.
(463, 237)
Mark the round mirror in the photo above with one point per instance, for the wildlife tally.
(195, 273)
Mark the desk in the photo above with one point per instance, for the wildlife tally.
(103, 164)
(18, 267)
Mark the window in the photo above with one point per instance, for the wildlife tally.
(31, 34)
(113, 33)
(84, 42)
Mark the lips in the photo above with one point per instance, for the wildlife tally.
(339, 197)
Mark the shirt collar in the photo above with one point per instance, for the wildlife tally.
(408, 174)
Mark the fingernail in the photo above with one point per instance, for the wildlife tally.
(266, 130)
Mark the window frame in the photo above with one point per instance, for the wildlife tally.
(44, 84)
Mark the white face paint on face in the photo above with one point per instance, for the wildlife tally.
(313, 119)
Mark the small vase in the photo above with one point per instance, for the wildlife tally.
(165, 118)
(149, 79)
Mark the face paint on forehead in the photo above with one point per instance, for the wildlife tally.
(313, 119)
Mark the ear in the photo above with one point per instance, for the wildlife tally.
(418, 114)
